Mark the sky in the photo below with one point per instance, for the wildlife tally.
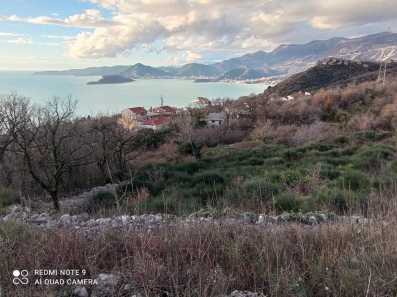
(66, 34)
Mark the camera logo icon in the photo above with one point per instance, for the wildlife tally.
(20, 277)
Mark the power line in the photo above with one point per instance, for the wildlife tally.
(383, 64)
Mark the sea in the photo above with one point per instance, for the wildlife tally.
(111, 99)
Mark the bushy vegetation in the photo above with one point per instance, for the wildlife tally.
(279, 178)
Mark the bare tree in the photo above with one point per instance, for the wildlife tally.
(50, 141)
(117, 147)
(263, 130)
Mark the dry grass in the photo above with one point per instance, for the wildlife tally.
(210, 259)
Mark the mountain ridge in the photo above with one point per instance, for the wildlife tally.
(284, 60)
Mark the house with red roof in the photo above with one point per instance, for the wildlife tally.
(156, 123)
(130, 117)
(137, 113)
(164, 110)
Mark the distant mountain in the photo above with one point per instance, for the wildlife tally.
(247, 73)
(198, 70)
(293, 58)
(139, 70)
(91, 71)
(110, 79)
(284, 60)
(169, 69)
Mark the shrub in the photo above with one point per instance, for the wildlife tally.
(274, 161)
(371, 157)
(353, 180)
(8, 197)
(315, 132)
(331, 199)
(189, 167)
(341, 139)
(208, 178)
(372, 135)
(101, 201)
(288, 202)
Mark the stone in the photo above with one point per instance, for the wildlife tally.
(242, 294)
(313, 220)
(65, 218)
(92, 223)
(80, 291)
(344, 220)
(103, 221)
(51, 224)
(107, 285)
(247, 219)
(125, 220)
(40, 219)
(262, 220)
(362, 221)
(14, 208)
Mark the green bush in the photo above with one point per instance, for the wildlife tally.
(189, 167)
(288, 202)
(349, 151)
(274, 161)
(8, 197)
(290, 176)
(258, 186)
(329, 171)
(353, 180)
(368, 136)
(334, 199)
(341, 139)
(371, 157)
(208, 177)
(101, 201)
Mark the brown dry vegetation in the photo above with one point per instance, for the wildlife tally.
(210, 259)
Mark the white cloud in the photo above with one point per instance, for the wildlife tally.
(191, 57)
(91, 18)
(5, 34)
(21, 41)
(199, 29)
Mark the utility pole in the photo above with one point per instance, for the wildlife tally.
(383, 64)
(161, 101)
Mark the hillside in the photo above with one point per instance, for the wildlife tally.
(246, 73)
(140, 70)
(197, 70)
(327, 75)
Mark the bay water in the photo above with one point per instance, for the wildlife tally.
(113, 98)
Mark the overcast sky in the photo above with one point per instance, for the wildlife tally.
(64, 34)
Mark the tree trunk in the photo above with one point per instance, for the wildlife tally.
(55, 200)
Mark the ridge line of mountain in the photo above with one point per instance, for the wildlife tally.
(285, 60)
